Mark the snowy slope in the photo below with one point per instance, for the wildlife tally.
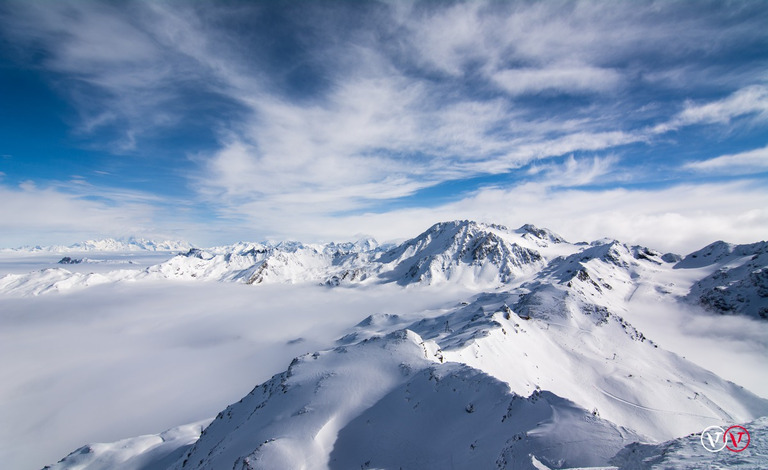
(563, 331)
(150, 452)
(59, 280)
(725, 278)
(388, 402)
(459, 251)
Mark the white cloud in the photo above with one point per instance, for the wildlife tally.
(372, 139)
(564, 79)
(739, 163)
(68, 213)
(573, 172)
(378, 126)
(680, 218)
(749, 101)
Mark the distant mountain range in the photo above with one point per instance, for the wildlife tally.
(107, 245)
(734, 278)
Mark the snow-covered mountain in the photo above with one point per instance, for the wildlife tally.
(739, 285)
(463, 251)
(107, 245)
(540, 369)
(255, 263)
(479, 387)
(467, 251)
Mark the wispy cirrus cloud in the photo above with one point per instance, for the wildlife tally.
(737, 163)
(558, 78)
(750, 101)
(119, 64)
(574, 173)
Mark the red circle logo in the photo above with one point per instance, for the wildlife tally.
(736, 438)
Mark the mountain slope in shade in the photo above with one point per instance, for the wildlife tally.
(455, 416)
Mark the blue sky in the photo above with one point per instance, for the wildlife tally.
(220, 121)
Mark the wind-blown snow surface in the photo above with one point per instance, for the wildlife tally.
(548, 351)
(687, 453)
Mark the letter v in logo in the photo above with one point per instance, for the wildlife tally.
(735, 441)
(712, 438)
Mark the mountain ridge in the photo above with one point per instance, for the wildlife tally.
(485, 256)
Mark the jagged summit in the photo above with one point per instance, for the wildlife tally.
(451, 250)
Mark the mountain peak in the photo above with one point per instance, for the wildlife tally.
(540, 233)
(459, 249)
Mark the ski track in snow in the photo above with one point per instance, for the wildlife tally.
(647, 408)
